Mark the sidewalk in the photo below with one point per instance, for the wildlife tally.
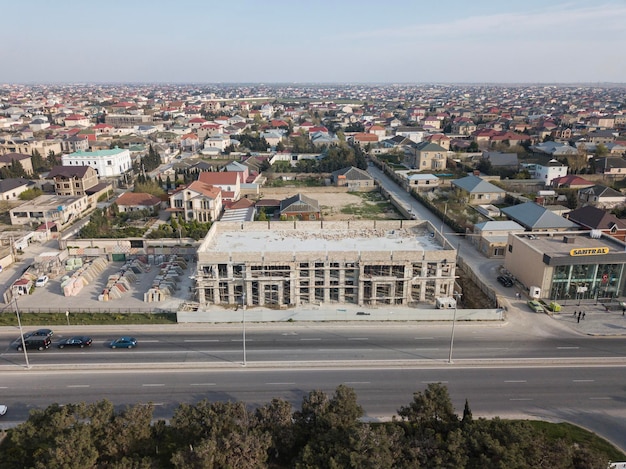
(597, 320)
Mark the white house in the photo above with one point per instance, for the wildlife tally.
(108, 163)
(217, 141)
(550, 171)
(198, 201)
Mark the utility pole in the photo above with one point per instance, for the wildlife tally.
(19, 324)
(457, 296)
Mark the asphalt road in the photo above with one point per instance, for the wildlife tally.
(406, 343)
(590, 396)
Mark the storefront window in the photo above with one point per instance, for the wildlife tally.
(584, 281)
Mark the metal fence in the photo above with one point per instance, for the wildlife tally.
(103, 310)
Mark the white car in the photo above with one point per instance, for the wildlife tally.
(41, 281)
(3, 409)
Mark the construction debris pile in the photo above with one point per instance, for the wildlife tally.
(121, 282)
(167, 281)
(87, 273)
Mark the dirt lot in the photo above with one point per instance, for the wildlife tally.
(338, 204)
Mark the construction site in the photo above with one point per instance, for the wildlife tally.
(291, 263)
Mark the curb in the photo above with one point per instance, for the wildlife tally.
(353, 364)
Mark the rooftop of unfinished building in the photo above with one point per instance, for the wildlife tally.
(326, 236)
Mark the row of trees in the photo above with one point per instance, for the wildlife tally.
(111, 223)
(327, 432)
(334, 158)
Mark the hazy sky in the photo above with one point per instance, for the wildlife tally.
(399, 41)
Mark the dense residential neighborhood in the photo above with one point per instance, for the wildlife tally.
(323, 234)
(160, 162)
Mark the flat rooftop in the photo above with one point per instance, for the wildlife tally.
(555, 245)
(413, 238)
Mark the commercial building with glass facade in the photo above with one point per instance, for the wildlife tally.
(568, 265)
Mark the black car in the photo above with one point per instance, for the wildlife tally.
(77, 341)
(506, 281)
(34, 343)
(39, 333)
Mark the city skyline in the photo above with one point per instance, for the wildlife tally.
(288, 42)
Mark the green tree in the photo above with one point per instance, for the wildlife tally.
(52, 159)
(30, 194)
(275, 419)
(601, 150)
(149, 187)
(326, 426)
(432, 429)
(37, 161)
(218, 434)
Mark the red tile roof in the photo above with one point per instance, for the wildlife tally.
(219, 178)
(204, 189)
(133, 199)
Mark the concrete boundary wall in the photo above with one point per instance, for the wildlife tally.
(337, 314)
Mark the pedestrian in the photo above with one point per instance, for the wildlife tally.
(575, 313)
(578, 319)
(583, 315)
(623, 310)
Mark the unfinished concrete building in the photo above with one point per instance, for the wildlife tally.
(285, 264)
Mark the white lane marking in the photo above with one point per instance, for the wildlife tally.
(357, 382)
(358, 338)
(342, 350)
(201, 340)
(147, 341)
(567, 348)
(583, 380)
(279, 384)
(599, 398)
(241, 340)
(313, 338)
(424, 338)
(202, 384)
(515, 381)
(426, 349)
(78, 385)
(521, 399)
(4, 387)
(153, 384)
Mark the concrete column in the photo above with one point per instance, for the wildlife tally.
(281, 291)
(261, 293)
(217, 297)
(341, 286)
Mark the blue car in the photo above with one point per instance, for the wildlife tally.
(124, 342)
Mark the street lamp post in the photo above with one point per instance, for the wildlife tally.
(243, 309)
(443, 219)
(19, 324)
(456, 297)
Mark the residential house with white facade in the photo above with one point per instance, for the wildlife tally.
(550, 171)
(229, 183)
(107, 163)
(198, 201)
